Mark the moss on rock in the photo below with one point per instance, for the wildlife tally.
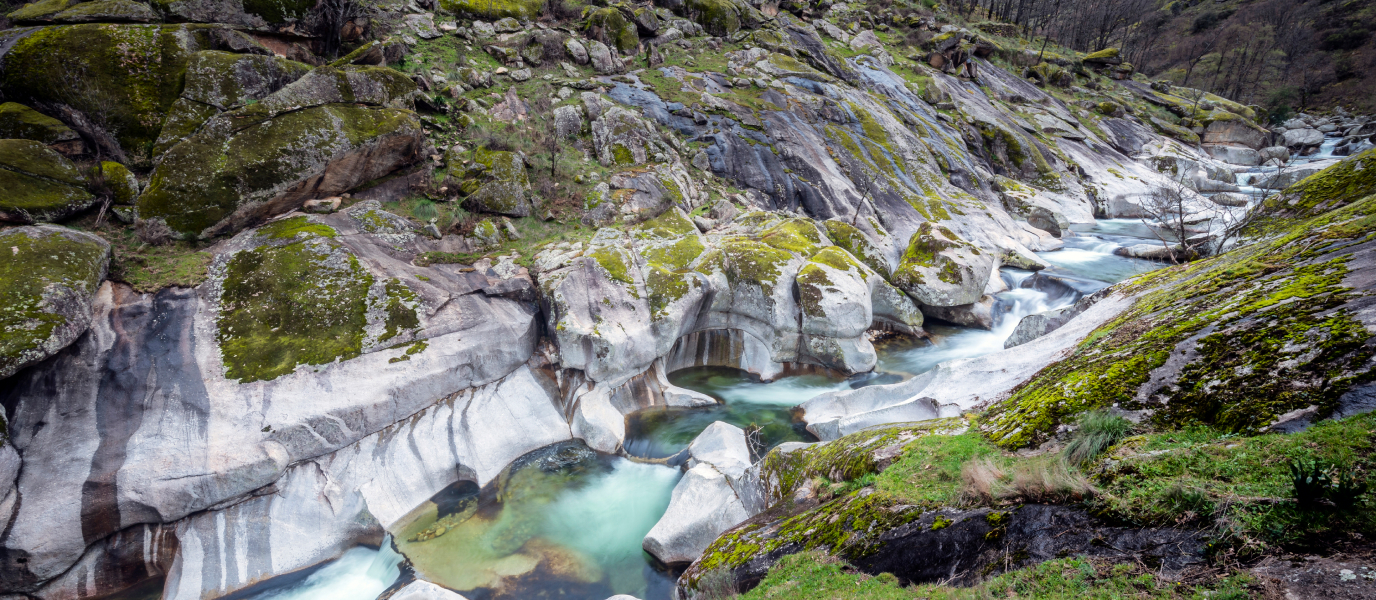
(39, 12)
(123, 77)
(491, 10)
(39, 184)
(202, 183)
(1249, 335)
(855, 242)
(302, 302)
(47, 278)
(496, 182)
(614, 29)
(940, 269)
(124, 188)
(23, 123)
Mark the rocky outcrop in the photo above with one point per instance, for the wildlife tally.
(297, 143)
(492, 181)
(313, 335)
(424, 590)
(47, 280)
(1204, 324)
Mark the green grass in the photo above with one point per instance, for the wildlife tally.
(1241, 485)
(928, 472)
(151, 268)
(814, 576)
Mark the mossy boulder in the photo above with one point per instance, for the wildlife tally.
(612, 28)
(123, 78)
(23, 123)
(48, 277)
(495, 182)
(39, 12)
(123, 186)
(724, 17)
(491, 10)
(319, 136)
(108, 11)
(1175, 131)
(227, 80)
(1107, 56)
(1348, 181)
(39, 184)
(941, 269)
(858, 244)
(218, 81)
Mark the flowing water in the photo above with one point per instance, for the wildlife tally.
(360, 574)
(567, 522)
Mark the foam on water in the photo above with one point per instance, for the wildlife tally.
(360, 574)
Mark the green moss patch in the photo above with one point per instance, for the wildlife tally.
(301, 303)
(21, 122)
(40, 267)
(123, 77)
(492, 10)
(39, 184)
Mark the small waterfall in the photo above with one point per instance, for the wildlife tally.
(360, 574)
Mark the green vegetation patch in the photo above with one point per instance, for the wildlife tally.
(148, 269)
(817, 576)
(857, 244)
(1205, 475)
(1331, 188)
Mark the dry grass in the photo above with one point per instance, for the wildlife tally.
(1038, 479)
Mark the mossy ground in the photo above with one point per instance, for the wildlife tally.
(815, 576)
(151, 268)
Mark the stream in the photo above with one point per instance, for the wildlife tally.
(568, 522)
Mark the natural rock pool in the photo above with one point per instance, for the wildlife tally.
(567, 522)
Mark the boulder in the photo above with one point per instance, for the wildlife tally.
(23, 123)
(218, 81)
(1231, 199)
(611, 27)
(82, 67)
(1235, 131)
(1277, 152)
(1300, 139)
(602, 60)
(1234, 155)
(941, 269)
(39, 184)
(979, 314)
(723, 17)
(706, 502)
(1145, 251)
(568, 121)
(1289, 176)
(576, 50)
(1107, 56)
(48, 276)
(1039, 324)
(622, 138)
(298, 143)
(123, 186)
(494, 181)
